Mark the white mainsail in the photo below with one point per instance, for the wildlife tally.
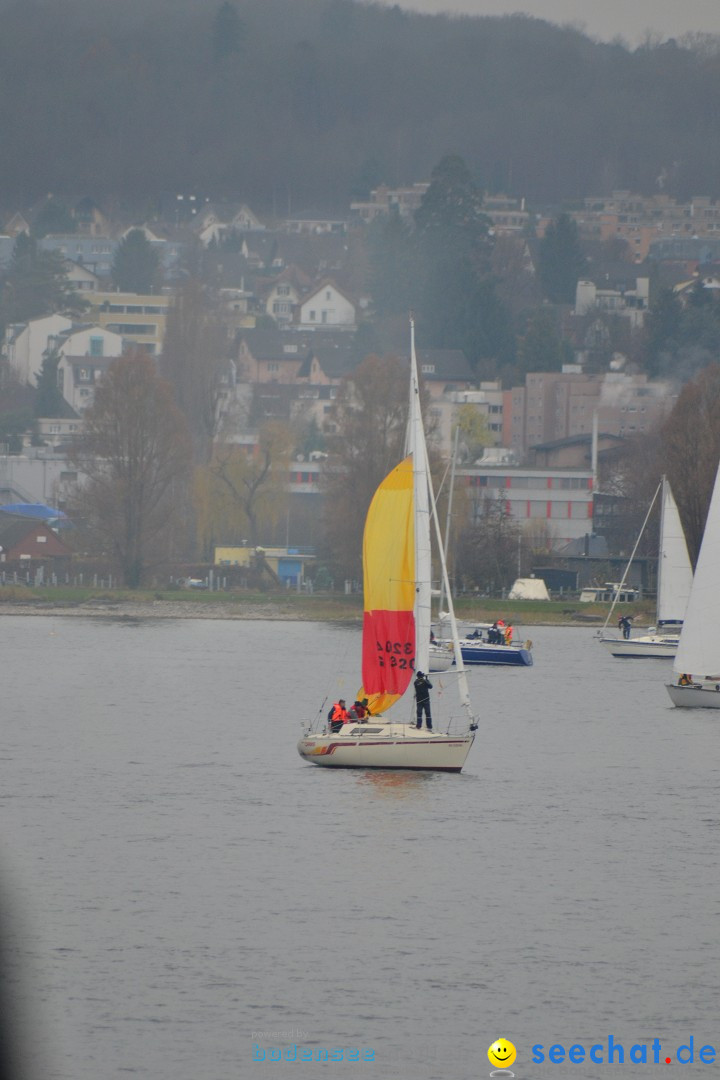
(699, 649)
(675, 574)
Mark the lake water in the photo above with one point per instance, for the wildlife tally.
(187, 892)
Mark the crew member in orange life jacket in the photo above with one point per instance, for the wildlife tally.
(337, 715)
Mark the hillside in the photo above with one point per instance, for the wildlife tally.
(297, 103)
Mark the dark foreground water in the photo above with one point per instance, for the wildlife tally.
(188, 893)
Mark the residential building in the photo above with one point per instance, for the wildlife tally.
(313, 224)
(508, 215)
(446, 410)
(29, 541)
(81, 278)
(78, 378)
(561, 498)
(575, 452)
(630, 304)
(214, 223)
(385, 200)
(141, 318)
(281, 297)
(95, 253)
(325, 305)
(25, 344)
(269, 356)
(58, 432)
(557, 405)
(38, 475)
(643, 220)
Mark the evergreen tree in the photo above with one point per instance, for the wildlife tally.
(457, 304)
(452, 205)
(53, 218)
(36, 285)
(561, 262)
(48, 400)
(135, 267)
(663, 326)
(393, 265)
(543, 348)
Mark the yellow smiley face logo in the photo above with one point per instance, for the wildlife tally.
(502, 1054)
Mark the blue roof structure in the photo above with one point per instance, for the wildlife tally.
(34, 510)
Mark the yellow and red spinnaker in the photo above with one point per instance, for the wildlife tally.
(388, 653)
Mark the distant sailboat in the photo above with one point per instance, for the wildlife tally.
(675, 578)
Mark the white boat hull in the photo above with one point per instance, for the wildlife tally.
(441, 658)
(387, 746)
(654, 646)
(705, 696)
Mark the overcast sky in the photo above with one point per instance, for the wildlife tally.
(604, 19)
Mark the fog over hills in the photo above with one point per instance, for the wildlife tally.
(300, 103)
(606, 21)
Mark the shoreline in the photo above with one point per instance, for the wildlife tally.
(271, 611)
(158, 609)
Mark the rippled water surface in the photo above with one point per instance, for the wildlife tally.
(186, 887)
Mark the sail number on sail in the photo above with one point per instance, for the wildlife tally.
(399, 654)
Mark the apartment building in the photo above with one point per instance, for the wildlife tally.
(561, 497)
(558, 405)
(642, 220)
(141, 319)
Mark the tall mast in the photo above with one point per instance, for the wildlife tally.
(425, 505)
(415, 445)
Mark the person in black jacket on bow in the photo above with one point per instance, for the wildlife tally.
(423, 686)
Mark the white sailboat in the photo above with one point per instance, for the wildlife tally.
(396, 629)
(673, 590)
(698, 654)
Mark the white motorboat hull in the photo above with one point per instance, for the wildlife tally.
(654, 646)
(697, 696)
(387, 746)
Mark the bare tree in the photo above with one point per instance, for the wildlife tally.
(369, 419)
(487, 551)
(195, 360)
(691, 438)
(135, 453)
(243, 492)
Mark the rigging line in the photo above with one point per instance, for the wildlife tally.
(446, 542)
(321, 709)
(629, 563)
